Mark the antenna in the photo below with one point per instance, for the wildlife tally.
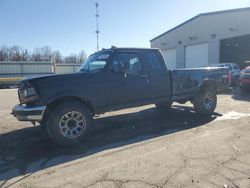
(97, 26)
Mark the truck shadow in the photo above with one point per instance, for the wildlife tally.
(237, 94)
(26, 151)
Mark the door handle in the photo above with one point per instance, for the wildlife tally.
(144, 76)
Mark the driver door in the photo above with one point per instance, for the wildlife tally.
(128, 79)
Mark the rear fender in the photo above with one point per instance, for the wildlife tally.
(208, 83)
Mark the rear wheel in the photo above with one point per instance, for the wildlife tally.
(205, 101)
(69, 123)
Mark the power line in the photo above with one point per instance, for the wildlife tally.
(97, 26)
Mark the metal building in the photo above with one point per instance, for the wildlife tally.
(207, 38)
(11, 72)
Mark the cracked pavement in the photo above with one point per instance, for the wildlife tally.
(136, 147)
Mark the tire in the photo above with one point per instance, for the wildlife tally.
(43, 128)
(164, 107)
(205, 101)
(69, 123)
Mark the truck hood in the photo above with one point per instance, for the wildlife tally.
(52, 80)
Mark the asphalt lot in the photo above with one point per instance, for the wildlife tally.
(137, 147)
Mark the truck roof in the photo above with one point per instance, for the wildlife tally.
(124, 49)
(128, 48)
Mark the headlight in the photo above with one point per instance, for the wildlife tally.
(242, 73)
(245, 72)
(28, 94)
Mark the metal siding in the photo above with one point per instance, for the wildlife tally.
(62, 68)
(11, 72)
(24, 69)
(9, 68)
(37, 68)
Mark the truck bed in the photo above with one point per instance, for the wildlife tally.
(185, 82)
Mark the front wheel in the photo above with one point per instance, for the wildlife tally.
(69, 123)
(205, 101)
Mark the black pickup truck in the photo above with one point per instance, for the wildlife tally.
(113, 79)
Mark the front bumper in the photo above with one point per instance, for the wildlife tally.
(28, 113)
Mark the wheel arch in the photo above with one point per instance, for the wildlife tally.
(208, 83)
(55, 102)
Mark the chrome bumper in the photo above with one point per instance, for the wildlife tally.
(27, 113)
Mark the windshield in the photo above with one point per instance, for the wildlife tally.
(228, 66)
(95, 63)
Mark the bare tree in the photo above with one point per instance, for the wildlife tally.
(4, 53)
(45, 53)
(72, 59)
(15, 53)
(42, 54)
(56, 57)
(82, 57)
(36, 55)
(25, 55)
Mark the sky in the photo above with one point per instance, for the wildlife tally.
(69, 25)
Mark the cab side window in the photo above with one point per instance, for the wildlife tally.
(128, 62)
(154, 62)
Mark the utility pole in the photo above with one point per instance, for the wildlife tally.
(97, 26)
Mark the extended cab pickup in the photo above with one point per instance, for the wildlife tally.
(113, 79)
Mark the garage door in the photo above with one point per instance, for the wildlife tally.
(170, 57)
(196, 55)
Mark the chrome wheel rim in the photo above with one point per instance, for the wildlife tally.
(72, 124)
(208, 101)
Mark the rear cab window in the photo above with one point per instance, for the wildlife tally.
(235, 67)
(155, 63)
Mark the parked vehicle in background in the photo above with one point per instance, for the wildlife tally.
(233, 72)
(113, 79)
(245, 79)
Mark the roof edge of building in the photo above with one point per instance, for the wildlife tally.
(202, 14)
